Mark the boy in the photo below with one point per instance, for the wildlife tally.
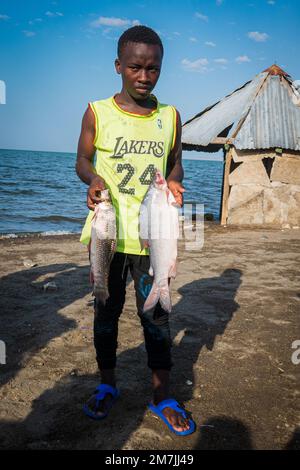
(133, 134)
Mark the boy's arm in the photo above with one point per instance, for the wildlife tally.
(84, 163)
(174, 165)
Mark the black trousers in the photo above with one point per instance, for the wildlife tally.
(155, 322)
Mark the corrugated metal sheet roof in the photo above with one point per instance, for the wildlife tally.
(273, 120)
(265, 113)
(203, 129)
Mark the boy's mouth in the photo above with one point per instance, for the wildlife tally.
(142, 88)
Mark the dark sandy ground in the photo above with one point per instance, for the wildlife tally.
(236, 314)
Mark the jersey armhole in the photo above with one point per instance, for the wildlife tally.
(174, 126)
(91, 106)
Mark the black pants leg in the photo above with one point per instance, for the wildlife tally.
(107, 316)
(155, 322)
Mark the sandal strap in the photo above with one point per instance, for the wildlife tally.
(103, 389)
(171, 403)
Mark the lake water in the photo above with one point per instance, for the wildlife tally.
(40, 192)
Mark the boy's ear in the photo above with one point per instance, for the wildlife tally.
(118, 66)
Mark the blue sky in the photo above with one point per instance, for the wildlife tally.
(55, 56)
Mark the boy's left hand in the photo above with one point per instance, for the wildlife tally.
(177, 189)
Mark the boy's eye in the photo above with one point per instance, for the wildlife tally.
(136, 67)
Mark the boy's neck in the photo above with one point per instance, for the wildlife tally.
(128, 103)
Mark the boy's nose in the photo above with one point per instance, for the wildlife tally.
(143, 76)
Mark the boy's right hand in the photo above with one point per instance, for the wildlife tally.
(97, 185)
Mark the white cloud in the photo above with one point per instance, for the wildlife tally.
(106, 31)
(114, 22)
(176, 33)
(51, 14)
(221, 61)
(28, 34)
(201, 16)
(4, 17)
(36, 20)
(258, 37)
(210, 44)
(219, 2)
(193, 39)
(199, 65)
(2, 92)
(242, 59)
(271, 2)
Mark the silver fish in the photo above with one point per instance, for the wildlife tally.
(102, 245)
(159, 230)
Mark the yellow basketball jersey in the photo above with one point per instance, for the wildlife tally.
(129, 149)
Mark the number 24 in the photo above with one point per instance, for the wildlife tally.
(145, 178)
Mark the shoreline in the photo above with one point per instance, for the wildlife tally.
(208, 225)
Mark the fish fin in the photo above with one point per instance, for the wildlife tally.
(165, 299)
(151, 272)
(96, 211)
(144, 243)
(171, 198)
(173, 270)
(152, 298)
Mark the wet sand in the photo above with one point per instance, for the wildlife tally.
(235, 316)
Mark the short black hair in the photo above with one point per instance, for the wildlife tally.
(139, 34)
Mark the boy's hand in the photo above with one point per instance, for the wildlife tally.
(177, 189)
(97, 184)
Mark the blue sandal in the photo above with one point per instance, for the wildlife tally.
(171, 403)
(101, 391)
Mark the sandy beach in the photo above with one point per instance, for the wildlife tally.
(235, 317)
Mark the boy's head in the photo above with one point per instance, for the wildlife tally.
(139, 34)
(140, 53)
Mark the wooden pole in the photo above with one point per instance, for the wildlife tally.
(225, 192)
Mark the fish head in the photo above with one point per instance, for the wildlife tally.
(105, 196)
(159, 181)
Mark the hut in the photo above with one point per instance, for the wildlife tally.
(258, 127)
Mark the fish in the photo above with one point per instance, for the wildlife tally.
(102, 245)
(159, 231)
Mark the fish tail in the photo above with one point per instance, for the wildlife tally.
(165, 299)
(101, 294)
(161, 294)
(152, 298)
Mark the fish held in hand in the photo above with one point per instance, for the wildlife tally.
(102, 245)
(159, 230)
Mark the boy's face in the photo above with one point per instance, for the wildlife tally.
(140, 66)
